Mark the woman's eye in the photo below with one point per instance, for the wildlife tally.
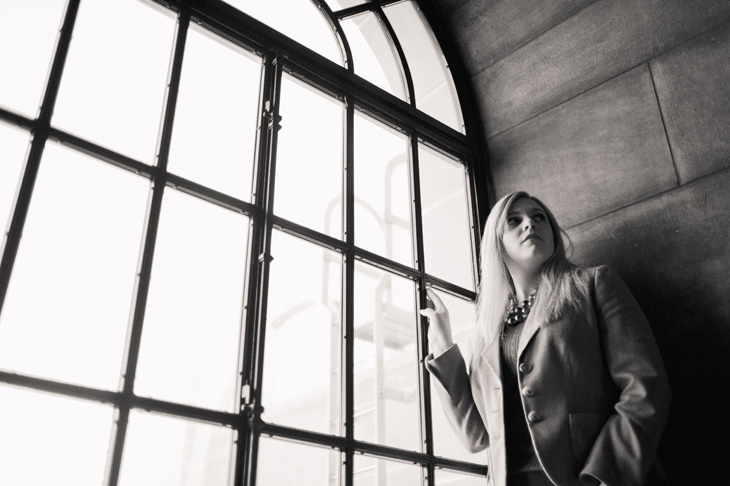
(513, 221)
(539, 217)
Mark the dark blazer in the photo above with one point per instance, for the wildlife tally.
(594, 390)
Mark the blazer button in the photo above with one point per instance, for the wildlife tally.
(534, 417)
(527, 391)
(525, 368)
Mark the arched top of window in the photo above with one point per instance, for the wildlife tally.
(388, 43)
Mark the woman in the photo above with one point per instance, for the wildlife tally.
(565, 384)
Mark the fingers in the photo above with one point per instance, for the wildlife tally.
(430, 313)
(435, 301)
(429, 301)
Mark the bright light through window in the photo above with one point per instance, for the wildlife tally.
(113, 84)
(300, 20)
(66, 312)
(309, 158)
(32, 24)
(433, 86)
(167, 451)
(214, 135)
(448, 242)
(194, 304)
(285, 462)
(49, 439)
(386, 373)
(370, 471)
(373, 55)
(382, 190)
(304, 324)
(215, 254)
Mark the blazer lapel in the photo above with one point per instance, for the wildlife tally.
(531, 328)
(491, 356)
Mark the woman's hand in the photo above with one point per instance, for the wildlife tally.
(439, 328)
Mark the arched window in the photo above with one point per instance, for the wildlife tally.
(221, 220)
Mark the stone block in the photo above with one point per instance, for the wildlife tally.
(598, 152)
(693, 87)
(488, 31)
(673, 252)
(601, 41)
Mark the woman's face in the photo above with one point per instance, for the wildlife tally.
(528, 236)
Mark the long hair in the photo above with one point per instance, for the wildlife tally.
(558, 285)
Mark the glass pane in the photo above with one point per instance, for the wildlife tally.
(78, 258)
(303, 22)
(387, 409)
(382, 191)
(284, 463)
(434, 88)
(189, 350)
(369, 471)
(303, 328)
(166, 451)
(216, 116)
(13, 148)
(309, 158)
(373, 55)
(447, 232)
(450, 478)
(28, 30)
(462, 315)
(336, 5)
(114, 81)
(46, 439)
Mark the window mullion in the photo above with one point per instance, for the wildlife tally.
(257, 232)
(143, 279)
(349, 295)
(473, 198)
(264, 199)
(422, 341)
(405, 70)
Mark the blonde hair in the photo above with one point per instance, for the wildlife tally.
(559, 288)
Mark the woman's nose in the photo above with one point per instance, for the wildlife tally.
(529, 223)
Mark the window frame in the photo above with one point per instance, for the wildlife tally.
(279, 55)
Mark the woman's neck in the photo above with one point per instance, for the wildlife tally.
(524, 283)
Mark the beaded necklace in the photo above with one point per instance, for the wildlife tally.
(518, 313)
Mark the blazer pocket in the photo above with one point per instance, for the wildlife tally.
(584, 428)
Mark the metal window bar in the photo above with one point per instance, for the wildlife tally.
(342, 41)
(264, 200)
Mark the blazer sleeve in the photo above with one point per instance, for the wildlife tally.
(457, 401)
(625, 449)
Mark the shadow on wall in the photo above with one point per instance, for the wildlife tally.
(673, 251)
